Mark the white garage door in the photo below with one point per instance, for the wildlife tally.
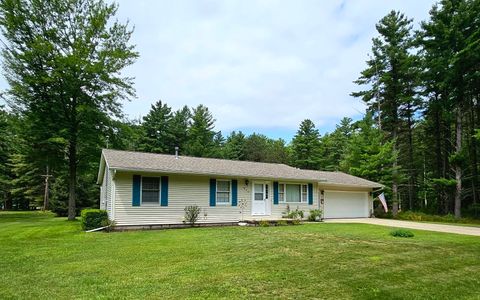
(345, 204)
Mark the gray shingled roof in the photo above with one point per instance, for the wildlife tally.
(151, 162)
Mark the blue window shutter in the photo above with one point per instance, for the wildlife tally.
(275, 192)
(213, 191)
(234, 192)
(137, 179)
(310, 193)
(164, 193)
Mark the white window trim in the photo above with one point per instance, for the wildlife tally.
(159, 192)
(302, 201)
(229, 192)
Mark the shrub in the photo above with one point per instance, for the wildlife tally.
(286, 213)
(295, 214)
(92, 218)
(191, 214)
(314, 215)
(263, 223)
(296, 222)
(292, 215)
(282, 223)
(301, 214)
(401, 233)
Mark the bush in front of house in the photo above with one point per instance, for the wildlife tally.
(282, 223)
(315, 215)
(402, 233)
(263, 223)
(294, 214)
(92, 218)
(296, 222)
(191, 214)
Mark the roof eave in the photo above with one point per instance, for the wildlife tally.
(366, 186)
(101, 169)
(212, 174)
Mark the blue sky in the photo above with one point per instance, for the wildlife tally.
(260, 66)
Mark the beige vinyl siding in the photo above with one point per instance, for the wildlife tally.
(184, 190)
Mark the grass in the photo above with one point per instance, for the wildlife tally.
(445, 219)
(45, 257)
(447, 223)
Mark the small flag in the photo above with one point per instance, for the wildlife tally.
(381, 197)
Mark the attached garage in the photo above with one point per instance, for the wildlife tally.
(341, 204)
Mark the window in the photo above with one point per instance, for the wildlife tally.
(292, 193)
(281, 192)
(258, 192)
(150, 190)
(304, 193)
(223, 191)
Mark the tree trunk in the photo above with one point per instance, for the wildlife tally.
(458, 168)
(412, 180)
(473, 153)
(8, 201)
(395, 176)
(72, 183)
(447, 150)
(72, 162)
(437, 131)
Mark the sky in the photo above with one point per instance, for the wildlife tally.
(260, 66)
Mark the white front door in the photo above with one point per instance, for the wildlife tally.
(260, 199)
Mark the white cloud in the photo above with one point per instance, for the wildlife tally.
(256, 64)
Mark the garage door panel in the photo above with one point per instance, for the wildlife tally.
(345, 205)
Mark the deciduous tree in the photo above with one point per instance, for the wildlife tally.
(63, 63)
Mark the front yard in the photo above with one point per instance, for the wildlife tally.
(46, 257)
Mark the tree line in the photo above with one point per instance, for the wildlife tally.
(423, 88)
(418, 136)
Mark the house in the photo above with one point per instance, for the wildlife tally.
(145, 189)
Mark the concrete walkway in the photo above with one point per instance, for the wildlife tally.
(468, 230)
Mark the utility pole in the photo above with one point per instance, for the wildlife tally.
(45, 196)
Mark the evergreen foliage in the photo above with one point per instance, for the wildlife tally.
(306, 146)
(63, 60)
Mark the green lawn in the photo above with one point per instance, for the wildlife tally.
(46, 257)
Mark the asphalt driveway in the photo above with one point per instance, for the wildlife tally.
(468, 230)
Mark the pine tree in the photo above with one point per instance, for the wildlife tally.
(392, 75)
(235, 146)
(306, 146)
(6, 149)
(334, 145)
(277, 151)
(179, 128)
(368, 156)
(157, 135)
(449, 44)
(201, 135)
